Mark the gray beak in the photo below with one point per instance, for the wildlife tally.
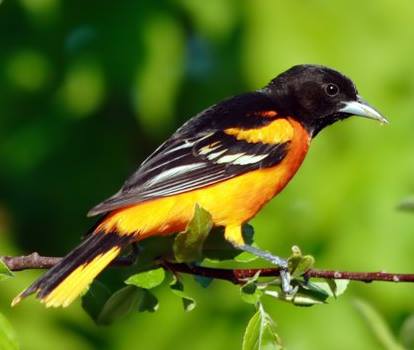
(363, 109)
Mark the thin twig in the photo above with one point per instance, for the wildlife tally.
(236, 276)
(35, 261)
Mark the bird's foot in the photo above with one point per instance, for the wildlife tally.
(281, 263)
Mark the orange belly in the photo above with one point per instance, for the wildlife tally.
(231, 202)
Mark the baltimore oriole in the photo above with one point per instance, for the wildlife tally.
(230, 159)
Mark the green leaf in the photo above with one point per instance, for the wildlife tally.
(149, 302)
(95, 298)
(203, 281)
(298, 263)
(216, 248)
(5, 273)
(310, 294)
(252, 334)
(177, 288)
(407, 332)
(119, 304)
(188, 245)
(105, 308)
(250, 293)
(260, 333)
(147, 279)
(378, 326)
(245, 257)
(307, 294)
(407, 204)
(341, 286)
(8, 337)
(334, 288)
(152, 248)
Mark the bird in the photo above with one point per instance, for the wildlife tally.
(230, 159)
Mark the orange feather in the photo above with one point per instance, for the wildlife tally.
(230, 203)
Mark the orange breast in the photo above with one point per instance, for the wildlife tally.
(231, 202)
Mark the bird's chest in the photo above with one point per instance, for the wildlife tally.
(239, 199)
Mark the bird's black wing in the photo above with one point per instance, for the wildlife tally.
(197, 155)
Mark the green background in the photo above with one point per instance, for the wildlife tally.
(89, 88)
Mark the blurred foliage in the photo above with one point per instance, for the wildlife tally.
(88, 89)
(8, 337)
(377, 325)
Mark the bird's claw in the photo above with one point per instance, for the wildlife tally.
(284, 274)
(285, 277)
(285, 280)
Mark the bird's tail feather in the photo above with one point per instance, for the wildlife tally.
(65, 281)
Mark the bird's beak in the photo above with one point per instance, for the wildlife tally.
(363, 109)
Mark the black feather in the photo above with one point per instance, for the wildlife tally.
(204, 129)
(94, 245)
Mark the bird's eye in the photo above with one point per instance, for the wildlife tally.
(332, 90)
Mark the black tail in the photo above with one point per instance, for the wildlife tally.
(65, 281)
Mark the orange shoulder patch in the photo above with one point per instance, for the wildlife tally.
(278, 131)
(265, 114)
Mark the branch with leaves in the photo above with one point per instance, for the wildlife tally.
(137, 293)
(236, 276)
(165, 259)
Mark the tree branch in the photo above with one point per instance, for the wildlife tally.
(35, 261)
(236, 276)
(239, 276)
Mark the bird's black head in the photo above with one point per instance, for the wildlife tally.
(318, 96)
